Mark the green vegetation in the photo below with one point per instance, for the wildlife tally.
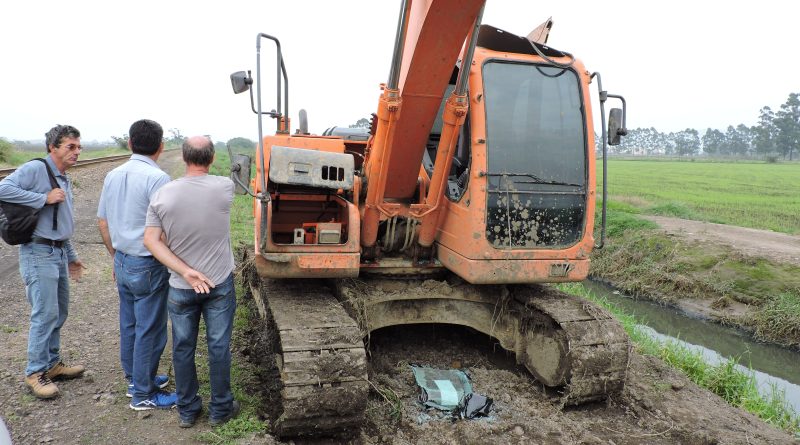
(5, 151)
(726, 379)
(643, 261)
(242, 211)
(646, 262)
(779, 317)
(16, 157)
(757, 195)
(391, 401)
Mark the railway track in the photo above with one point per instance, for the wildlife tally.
(81, 163)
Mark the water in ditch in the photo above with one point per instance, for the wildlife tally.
(772, 365)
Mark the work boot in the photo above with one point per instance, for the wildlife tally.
(41, 386)
(235, 407)
(62, 371)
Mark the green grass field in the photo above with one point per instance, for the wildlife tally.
(18, 158)
(756, 195)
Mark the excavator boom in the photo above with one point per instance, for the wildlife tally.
(428, 58)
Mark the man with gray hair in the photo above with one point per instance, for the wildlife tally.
(48, 259)
(194, 214)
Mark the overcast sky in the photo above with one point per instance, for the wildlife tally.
(100, 65)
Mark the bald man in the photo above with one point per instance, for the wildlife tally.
(194, 214)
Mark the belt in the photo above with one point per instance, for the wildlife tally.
(48, 242)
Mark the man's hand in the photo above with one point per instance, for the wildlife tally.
(56, 195)
(76, 269)
(199, 282)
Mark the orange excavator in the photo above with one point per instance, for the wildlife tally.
(474, 182)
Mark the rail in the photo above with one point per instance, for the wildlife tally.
(81, 163)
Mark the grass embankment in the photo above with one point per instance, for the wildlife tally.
(641, 260)
(726, 379)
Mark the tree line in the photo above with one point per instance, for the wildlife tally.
(777, 134)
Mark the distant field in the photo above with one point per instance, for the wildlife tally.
(20, 157)
(757, 195)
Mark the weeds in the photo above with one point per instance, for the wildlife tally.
(780, 317)
(390, 399)
(643, 261)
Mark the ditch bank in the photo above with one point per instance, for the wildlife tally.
(740, 277)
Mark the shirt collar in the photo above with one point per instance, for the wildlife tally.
(145, 159)
(53, 168)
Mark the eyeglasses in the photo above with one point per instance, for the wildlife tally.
(72, 147)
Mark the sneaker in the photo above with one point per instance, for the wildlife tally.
(62, 371)
(160, 382)
(233, 413)
(159, 400)
(41, 386)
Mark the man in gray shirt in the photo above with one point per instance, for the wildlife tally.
(141, 280)
(194, 214)
(47, 261)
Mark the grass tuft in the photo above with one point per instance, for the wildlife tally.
(780, 317)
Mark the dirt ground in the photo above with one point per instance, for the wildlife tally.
(658, 406)
(778, 247)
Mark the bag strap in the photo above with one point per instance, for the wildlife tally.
(53, 184)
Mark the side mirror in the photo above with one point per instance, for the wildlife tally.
(240, 173)
(615, 129)
(240, 81)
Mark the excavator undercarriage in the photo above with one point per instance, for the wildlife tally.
(322, 325)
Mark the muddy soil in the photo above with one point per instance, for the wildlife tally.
(658, 406)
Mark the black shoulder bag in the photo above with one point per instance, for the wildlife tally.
(17, 221)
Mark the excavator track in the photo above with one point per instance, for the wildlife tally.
(320, 358)
(572, 342)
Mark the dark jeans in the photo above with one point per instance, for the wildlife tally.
(217, 308)
(143, 284)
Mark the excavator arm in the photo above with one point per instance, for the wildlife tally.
(422, 65)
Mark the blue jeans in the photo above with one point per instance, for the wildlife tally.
(143, 284)
(217, 308)
(44, 270)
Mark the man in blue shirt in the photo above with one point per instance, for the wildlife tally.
(47, 261)
(142, 281)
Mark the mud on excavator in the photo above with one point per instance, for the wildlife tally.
(475, 182)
